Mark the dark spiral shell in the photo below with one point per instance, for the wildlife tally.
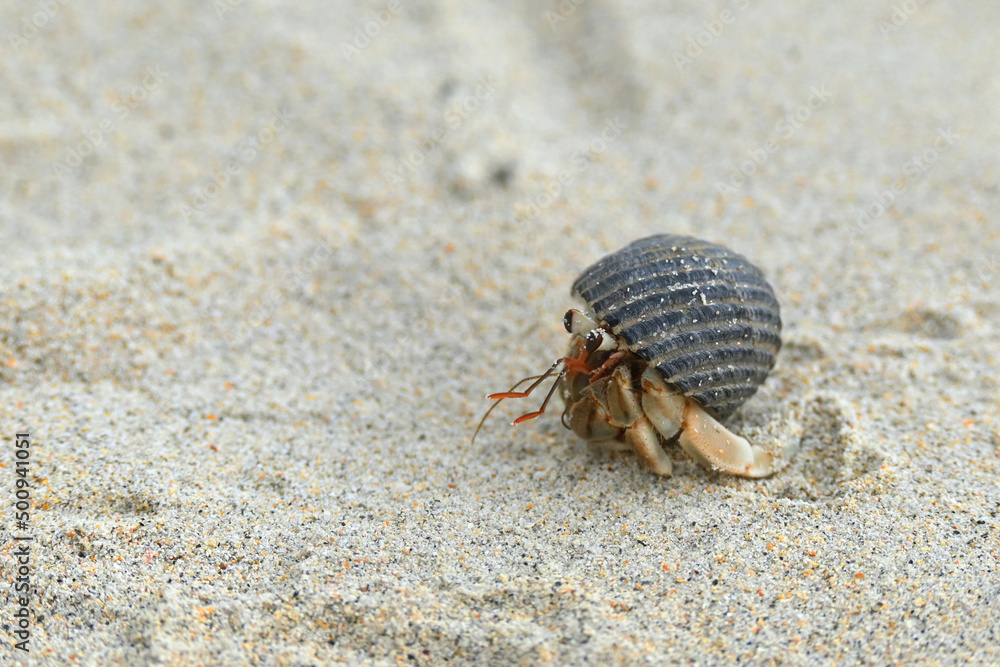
(702, 314)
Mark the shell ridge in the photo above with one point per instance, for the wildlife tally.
(676, 321)
(703, 359)
(705, 295)
(599, 286)
(666, 349)
(648, 284)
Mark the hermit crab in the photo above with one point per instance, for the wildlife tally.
(676, 333)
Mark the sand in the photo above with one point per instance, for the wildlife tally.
(259, 270)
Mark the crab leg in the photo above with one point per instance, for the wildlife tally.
(607, 365)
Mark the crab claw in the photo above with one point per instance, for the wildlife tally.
(715, 446)
(701, 435)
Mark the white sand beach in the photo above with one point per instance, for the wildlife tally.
(262, 261)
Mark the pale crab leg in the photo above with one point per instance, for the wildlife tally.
(646, 443)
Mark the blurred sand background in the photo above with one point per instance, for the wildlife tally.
(259, 270)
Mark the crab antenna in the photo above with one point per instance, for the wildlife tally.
(483, 420)
(538, 379)
(541, 410)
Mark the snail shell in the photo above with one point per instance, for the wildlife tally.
(701, 314)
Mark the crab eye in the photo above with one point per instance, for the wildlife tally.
(594, 341)
(577, 323)
(599, 340)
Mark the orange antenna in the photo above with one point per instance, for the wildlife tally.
(571, 365)
(538, 379)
